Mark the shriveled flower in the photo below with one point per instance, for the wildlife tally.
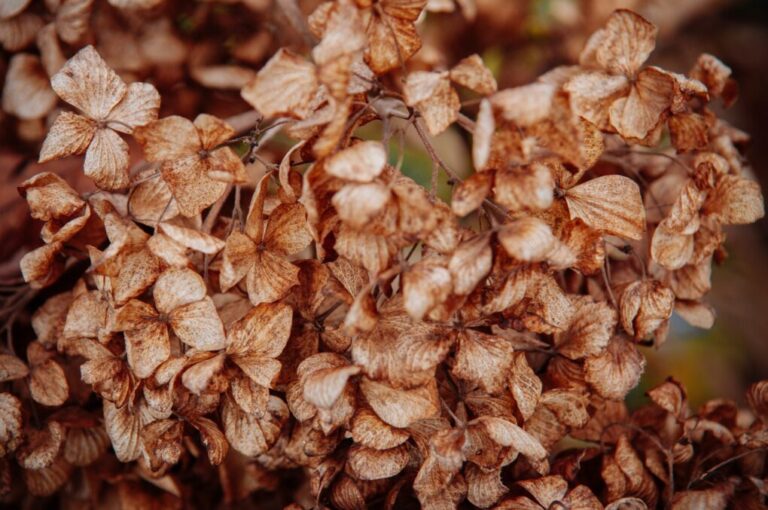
(108, 107)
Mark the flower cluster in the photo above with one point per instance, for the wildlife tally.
(324, 314)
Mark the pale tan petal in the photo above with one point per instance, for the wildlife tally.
(590, 330)
(49, 196)
(470, 264)
(525, 105)
(635, 116)
(263, 331)
(147, 347)
(198, 325)
(192, 238)
(213, 131)
(260, 369)
(644, 306)
(483, 359)
(426, 285)
(73, 20)
(592, 94)
(284, 86)
(699, 315)
(213, 439)
(362, 162)
(250, 435)
(525, 385)
(270, 278)
(369, 430)
(123, 428)
(106, 161)
(237, 258)
(322, 388)
(42, 266)
(178, 287)
(10, 423)
(482, 136)
(197, 377)
(12, 368)
(191, 185)
(225, 77)
(138, 107)
(369, 464)
(138, 272)
(526, 188)
(48, 384)
(359, 204)
(736, 201)
(484, 488)
(151, 201)
(250, 396)
(506, 433)
(70, 134)
(287, 231)
(400, 408)
(168, 138)
(611, 203)
(469, 195)
(669, 249)
(27, 93)
(616, 371)
(393, 40)
(471, 72)
(625, 43)
(87, 83)
(432, 95)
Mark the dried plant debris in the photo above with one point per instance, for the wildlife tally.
(226, 315)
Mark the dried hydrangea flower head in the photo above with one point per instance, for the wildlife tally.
(350, 339)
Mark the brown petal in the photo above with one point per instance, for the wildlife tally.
(625, 43)
(689, 131)
(506, 433)
(198, 325)
(530, 239)
(10, 423)
(178, 287)
(361, 162)
(470, 264)
(616, 371)
(123, 428)
(426, 284)
(237, 258)
(736, 201)
(18, 32)
(138, 272)
(151, 201)
(644, 306)
(287, 231)
(49, 196)
(359, 204)
(248, 434)
(590, 330)
(42, 266)
(264, 331)
(611, 203)
(484, 488)
(525, 105)
(483, 359)
(636, 115)
(168, 138)
(12, 368)
(48, 384)
(525, 385)
(215, 442)
(471, 72)
(369, 464)
(250, 396)
(284, 86)
(70, 134)
(393, 39)
(432, 95)
(190, 184)
(528, 188)
(400, 408)
(27, 93)
(697, 314)
(146, 347)
(192, 238)
(547, 489)
(270, 278)
(138, 107)
(197, 377)
(592, 94)
(106, 160)
(470, 194)
(322, 388)
(262, 370)
(88, 83)
(369, 430)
